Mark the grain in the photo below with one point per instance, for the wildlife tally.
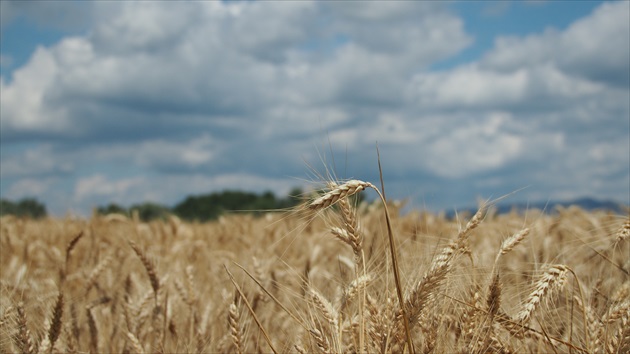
(465, 286)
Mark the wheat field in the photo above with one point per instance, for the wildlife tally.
(329, 277)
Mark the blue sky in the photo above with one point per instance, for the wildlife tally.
(152, 101)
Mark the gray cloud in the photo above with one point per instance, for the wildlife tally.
(159, 100)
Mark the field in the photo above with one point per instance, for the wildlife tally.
(320, 278)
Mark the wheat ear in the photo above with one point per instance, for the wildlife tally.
(251, 310)
(235, 327)
(93, 330)
(148, 266)
(623, 233)
(493, 303)
(512, 241)
(355, 186)
(97, 271)
(392, 249)
(69, 249)
(347, 189)
(351, 225)
(326, 308)
(55, 325)
(24, 335)
(322, 342)
(135, 343)
(554, 278)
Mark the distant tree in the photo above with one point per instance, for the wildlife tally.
(112, 208)
(267, 201)
(150, 211)
(295, 197)
(7, 207)
(201, 208)
(28, 207)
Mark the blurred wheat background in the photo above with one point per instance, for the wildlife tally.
(318, 279)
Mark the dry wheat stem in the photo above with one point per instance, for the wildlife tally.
(392, 248)
(278, 302)
(251, 311)
(350, 188)
(31, 254)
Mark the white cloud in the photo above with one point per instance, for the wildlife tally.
(189, 154)
(474, 86)
(101, 186)
(24, 102)
(29, 187)
(478, 146)
(201, 96)
(595, 47)
(37, 161)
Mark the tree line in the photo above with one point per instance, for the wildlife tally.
(200, 207)
(27, 207)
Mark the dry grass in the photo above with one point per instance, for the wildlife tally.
(283, 282)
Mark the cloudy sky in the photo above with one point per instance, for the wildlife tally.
(153, 101)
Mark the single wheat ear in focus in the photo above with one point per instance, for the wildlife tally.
(347, 189)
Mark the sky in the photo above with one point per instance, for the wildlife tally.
(128, 102)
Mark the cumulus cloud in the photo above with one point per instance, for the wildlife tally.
(202, 96)
(39, 160)
(594, 48)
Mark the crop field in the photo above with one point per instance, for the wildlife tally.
(323, 277)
